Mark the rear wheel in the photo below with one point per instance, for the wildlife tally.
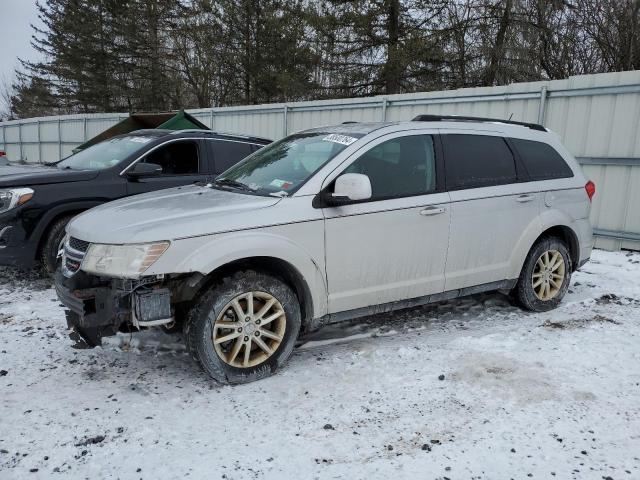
(545, 276)
(245, 328)
(52, 244)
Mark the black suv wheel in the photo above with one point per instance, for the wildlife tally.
(52, 244)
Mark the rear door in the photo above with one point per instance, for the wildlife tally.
(183, 162)
(491, 208)
(226, 153)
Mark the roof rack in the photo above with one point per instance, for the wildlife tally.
(223, 134)
(192, 130)
(461, 118)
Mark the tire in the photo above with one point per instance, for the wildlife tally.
(177, 326)
(51, 245)
(529, 292)
(269, 338)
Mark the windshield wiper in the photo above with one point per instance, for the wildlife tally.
(234, 184)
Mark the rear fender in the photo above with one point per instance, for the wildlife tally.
(547, 219)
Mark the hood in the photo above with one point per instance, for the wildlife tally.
(27, 175)
(170, 214)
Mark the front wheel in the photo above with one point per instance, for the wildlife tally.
(53, 244)
(545, 276)
(245, 328)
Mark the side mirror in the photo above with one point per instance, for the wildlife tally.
(352, 186)
(141, 169)
(348, 188)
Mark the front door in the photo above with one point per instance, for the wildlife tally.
(393, 246)
(183, 162)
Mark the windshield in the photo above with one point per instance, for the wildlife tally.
(284, 166)
(105, 154)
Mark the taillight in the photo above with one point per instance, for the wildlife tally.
(590, 187)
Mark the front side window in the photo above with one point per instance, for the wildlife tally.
(283, 167)
(400, 167)
(541, 161)
(473, 161)
(175, 158)
(105, 154)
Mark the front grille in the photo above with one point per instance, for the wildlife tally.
(79, 245)
(74, 251)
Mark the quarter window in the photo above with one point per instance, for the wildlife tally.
(473, 161)
(400, 167)
(176, 158)
(541, 161)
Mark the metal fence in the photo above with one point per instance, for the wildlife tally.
(597, 116)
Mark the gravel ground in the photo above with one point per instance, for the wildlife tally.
(467, 389)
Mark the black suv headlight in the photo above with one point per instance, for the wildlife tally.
(14, 197)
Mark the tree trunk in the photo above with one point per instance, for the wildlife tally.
(498, 49)
(393, 68)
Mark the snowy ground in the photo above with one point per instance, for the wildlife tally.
(523, 395)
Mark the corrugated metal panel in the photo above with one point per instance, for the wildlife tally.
(597, 116)
(49, 152)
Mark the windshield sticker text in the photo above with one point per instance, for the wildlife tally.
(342, 139)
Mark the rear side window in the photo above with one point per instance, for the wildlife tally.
(541, 160)
(473, 161)
(226, 154)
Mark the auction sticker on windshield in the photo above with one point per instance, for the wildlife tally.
(337, 138)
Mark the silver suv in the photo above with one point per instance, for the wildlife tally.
(331, 224)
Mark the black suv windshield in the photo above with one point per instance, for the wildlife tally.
(105, 154)
(284, 166)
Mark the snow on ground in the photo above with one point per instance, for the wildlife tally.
(468, 389)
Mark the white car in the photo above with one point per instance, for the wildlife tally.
(331, 224)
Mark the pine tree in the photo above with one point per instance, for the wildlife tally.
(373, 47)
(77, 45)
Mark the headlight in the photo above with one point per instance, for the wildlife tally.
(14, 197)
(129, 261)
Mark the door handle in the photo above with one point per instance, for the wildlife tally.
(525, 198)
(431, 211)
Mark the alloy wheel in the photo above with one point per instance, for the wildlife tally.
(249, 329)
(548, 275)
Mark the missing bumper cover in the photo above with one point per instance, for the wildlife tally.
(152, 307)
(98, 308)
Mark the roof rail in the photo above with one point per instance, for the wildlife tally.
(222, 134)
(461, 118)
(191, 130)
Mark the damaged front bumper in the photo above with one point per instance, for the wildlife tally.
(99, 307)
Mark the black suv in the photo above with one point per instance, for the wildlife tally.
(37, 202)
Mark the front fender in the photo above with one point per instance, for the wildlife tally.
(206, 254)
(51, 214)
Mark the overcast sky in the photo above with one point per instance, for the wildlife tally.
(16, 17)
